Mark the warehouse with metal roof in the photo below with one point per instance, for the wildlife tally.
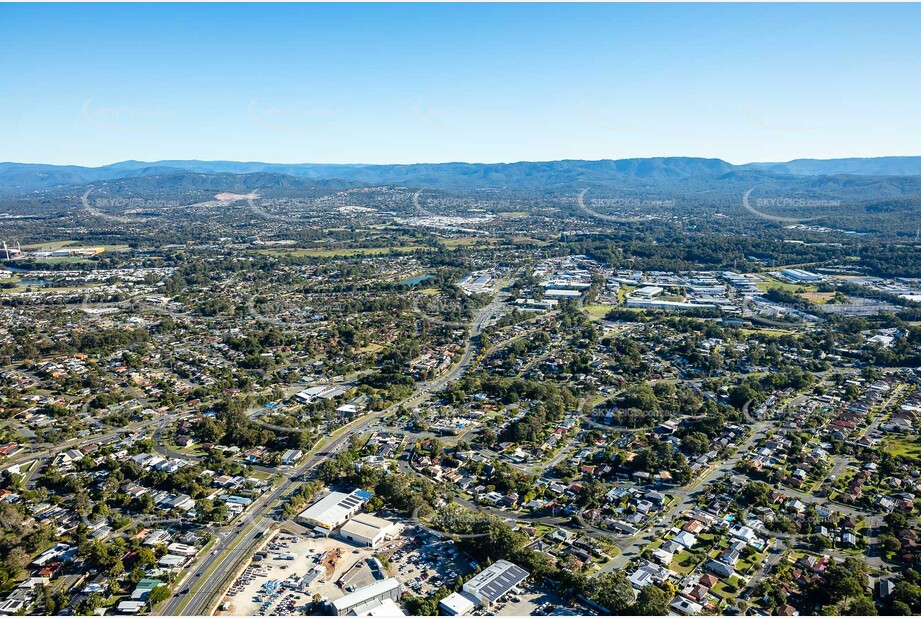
(367, 597)
(367, 530)
(494, 582)
(458, 604)
(333, 510)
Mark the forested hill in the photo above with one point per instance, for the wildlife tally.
(17, 178)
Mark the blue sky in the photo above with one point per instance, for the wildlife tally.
(405, 83)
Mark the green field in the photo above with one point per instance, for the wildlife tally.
(61, 244)
(623, 291)
(684, 562)
(766, 331)
(18, 277)
(722, 588)
(480, 241)
(903, 446)
(338, 252)
(773, 283)
(49, 246)
(597, 311)
(64, 260)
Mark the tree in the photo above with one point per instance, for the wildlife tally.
(144, 557)
(612, 591)
(863, 606)
(158, 594)
(208, 430)
(908, 593)
(136, 575)
(890, 543)
(696, 443)
(642, 397)
(143, 504)
(742, 394)
(652, 601)
(846, 581)
(896, 521)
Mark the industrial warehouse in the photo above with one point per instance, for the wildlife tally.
(334, 510)
(485, 589)
(367, 598)
(367, 530)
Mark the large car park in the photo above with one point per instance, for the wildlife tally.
(424, 566)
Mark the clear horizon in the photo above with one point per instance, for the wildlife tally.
(93, 85)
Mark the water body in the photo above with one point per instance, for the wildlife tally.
(417, 280)
(36, 282)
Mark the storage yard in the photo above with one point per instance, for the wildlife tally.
(294, 570)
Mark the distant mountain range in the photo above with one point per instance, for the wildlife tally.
(19, 178)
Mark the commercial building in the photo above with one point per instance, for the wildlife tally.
(458, 604)
(291, 457)
(367, 530)
(567, 284)
(648, 291)
(386, 609)
(668, 305)
(309, 395)
(562, 293)
(797, 275)
(333, 510)
(367, 598)
(494, 582)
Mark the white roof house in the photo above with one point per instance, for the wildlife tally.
(155, 537)
(648, 291)
(130, 607)
(686, 606)
(743, 532)
(181, 549)
(640, 578)
(172, 561)
(686, 539)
